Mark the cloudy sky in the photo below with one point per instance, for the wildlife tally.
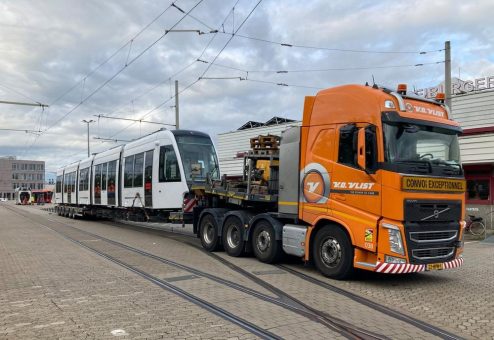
(115, 58)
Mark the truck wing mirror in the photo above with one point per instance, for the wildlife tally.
(361, 149)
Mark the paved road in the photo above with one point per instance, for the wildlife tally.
(53, 288)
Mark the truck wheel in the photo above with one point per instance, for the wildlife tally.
(208, 233)
(333, 253)
(233, 236)
(266, 248)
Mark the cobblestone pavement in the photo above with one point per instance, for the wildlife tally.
(52, 289)
(99, 297)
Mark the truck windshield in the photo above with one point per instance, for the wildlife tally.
(409, 143)
(198, 158)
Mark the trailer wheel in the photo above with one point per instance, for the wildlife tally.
(266, 248)
(333, 253)
(208, 233)
(233, 237)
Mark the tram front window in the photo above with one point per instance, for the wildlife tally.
(198, 157)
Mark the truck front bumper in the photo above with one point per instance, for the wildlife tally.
(403, 268)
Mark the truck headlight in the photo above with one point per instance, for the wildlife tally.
(395, 242)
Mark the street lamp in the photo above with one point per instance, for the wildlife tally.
(88, 122)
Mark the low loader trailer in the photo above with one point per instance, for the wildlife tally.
(371, 180)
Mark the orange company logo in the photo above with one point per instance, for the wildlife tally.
(315, 183)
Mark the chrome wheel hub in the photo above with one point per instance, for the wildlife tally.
(233, 237)
(331, 252)
(263, 241)
(208, 233)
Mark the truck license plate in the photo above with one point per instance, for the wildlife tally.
(435, 266)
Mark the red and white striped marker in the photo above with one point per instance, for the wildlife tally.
(189, 204)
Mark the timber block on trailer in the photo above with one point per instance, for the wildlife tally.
(265, 142)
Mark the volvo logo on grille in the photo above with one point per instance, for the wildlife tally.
(435, 214)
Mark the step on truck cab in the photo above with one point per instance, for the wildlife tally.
(371, 180)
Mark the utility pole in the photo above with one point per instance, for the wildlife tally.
(88, 122)
(447, 73)
(176, 106)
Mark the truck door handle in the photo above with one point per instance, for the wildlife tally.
(339, 197)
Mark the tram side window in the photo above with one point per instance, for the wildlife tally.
(168, 170)
(138, 169)
(65, 181)
(129, 171)
(83, 180)
(103, 176)
(74, 174)
(112, 170)
(59, 184)
(97, 180)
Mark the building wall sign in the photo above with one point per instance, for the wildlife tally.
(459, 86)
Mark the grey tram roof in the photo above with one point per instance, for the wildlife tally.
(273, 121)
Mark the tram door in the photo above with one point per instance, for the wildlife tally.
(148, 179)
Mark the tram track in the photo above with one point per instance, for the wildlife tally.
(343, 328)
(282, 299)
(424, 326)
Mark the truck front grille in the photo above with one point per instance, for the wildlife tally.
(432, 229)
(433, 253)
(433, 236)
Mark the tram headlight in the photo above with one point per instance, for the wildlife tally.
(395, 241)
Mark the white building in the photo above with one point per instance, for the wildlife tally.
(232, 145)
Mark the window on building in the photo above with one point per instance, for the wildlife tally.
(478, 190)
(14, 166)
(168, 168)
(347, 150)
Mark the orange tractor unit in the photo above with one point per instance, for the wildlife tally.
(371, 180)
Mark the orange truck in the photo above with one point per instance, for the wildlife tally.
(371, 180)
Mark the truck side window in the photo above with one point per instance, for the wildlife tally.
(168, 170)
(370, 147)
(347, 150)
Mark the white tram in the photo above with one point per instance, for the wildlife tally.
(152, 174)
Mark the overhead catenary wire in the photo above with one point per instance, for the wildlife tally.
(127, 64)
(21, 130)
(134, 120)
(118, 72)
(358, 68)
(322, 48)
(189, 65)
(117, 51)
(180, 71)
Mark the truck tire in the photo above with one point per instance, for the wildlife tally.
(264, 244)
(333, 253)
(208, 233)
(233, 236)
